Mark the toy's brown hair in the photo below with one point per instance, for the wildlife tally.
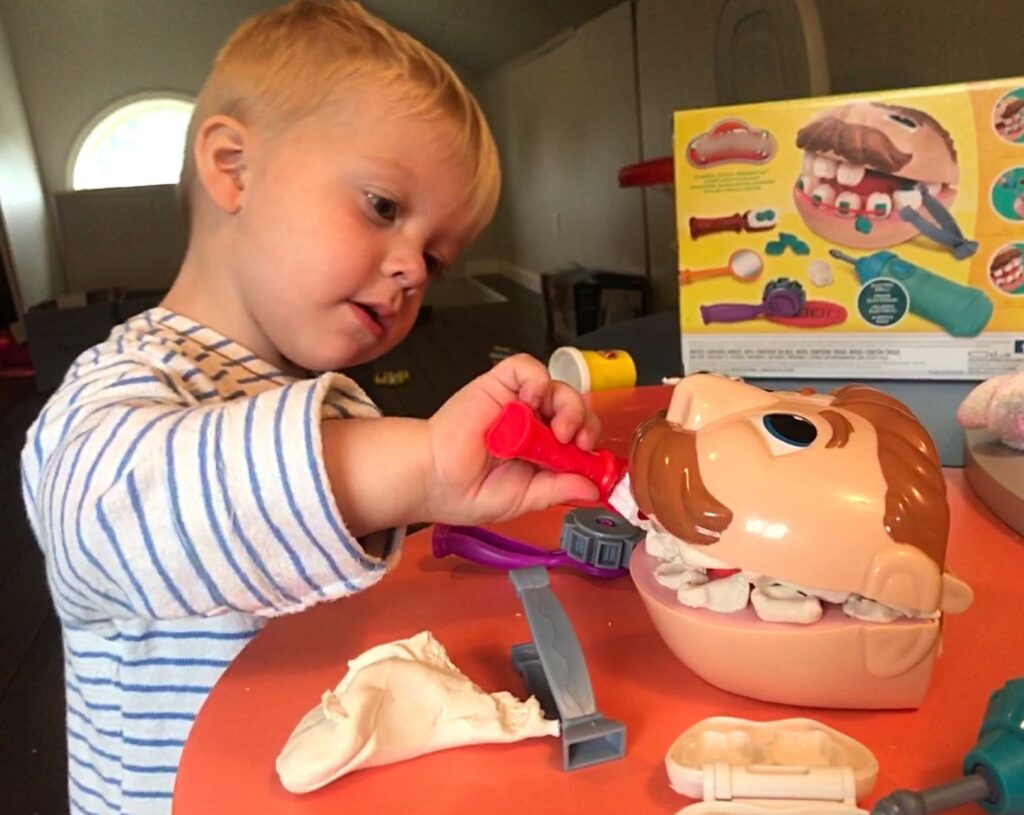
(666, 482)
(916, 508)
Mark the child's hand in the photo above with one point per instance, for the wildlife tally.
(468, 486)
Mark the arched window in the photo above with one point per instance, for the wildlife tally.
(136, 142)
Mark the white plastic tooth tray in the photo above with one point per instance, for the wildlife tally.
(739, 767)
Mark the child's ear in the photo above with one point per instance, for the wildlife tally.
(220, 147)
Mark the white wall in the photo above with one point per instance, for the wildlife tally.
(132, 238)
(675, 71)
(73, 59)
(880, 44)
(23, 211)
(566, 122)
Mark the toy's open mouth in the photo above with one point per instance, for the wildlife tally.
(852, 190)
(1007, 270)
(1010, 121)
(700, 581)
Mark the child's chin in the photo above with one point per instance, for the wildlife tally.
(338, 359)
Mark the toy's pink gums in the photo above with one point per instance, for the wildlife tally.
(519, 433)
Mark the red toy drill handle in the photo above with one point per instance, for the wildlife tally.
(708, 226)
(518, 433)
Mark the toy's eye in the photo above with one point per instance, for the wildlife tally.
(787, 433)
(906, 121)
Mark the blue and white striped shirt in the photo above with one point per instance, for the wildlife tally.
(175, 485)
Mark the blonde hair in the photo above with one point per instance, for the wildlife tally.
(284, 64)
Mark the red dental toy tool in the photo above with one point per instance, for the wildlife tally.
(519, 433)
(753, 220)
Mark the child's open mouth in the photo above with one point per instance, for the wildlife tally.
(369, 318)
(700, 581)
(854, 190)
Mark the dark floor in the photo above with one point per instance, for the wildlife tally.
(447, 348)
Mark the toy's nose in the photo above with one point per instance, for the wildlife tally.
(703, 398)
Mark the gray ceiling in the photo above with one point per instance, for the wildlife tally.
(482, 35)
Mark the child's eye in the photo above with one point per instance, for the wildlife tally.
(385, 208)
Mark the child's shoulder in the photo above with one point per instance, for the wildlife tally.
(149, 341)
(160, 351)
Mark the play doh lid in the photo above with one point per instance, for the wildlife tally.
(740, 767)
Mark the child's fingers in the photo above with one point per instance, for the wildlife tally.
(547, 489)
(525, 378)
(587, 436)
(522, 377)
(566, 410)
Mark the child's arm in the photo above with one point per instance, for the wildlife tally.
(393, 472)
(151, 499)
(149, 502)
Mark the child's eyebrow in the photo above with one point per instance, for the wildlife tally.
(391, 164)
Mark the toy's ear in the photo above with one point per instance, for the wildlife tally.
(905, 577)
(956, 595)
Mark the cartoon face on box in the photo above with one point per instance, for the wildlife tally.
(863, 163)
(796, 542)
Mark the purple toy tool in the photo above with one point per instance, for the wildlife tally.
(594, 541)
(782, 298)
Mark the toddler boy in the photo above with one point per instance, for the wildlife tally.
(192, 476)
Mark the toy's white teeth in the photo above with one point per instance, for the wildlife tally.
(848, 202)
(825, 167)
(868, 610)
(668, 548)
(694, 589)
(689, 572)
(850, 175)
(823, 194)
(841, 185)
(777, 603)
(879, 204)
(1010, 274)
(773, 602)
(906, 198)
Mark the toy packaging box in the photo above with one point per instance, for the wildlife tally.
(872, 235)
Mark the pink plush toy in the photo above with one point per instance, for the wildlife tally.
(997, 405)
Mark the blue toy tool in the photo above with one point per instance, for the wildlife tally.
(556, 673)
(961, 311)
(945, 230)
(993, 770)
(593, 540)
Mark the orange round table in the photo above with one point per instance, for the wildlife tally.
(228, 763)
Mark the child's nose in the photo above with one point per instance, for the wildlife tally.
(408, 265)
